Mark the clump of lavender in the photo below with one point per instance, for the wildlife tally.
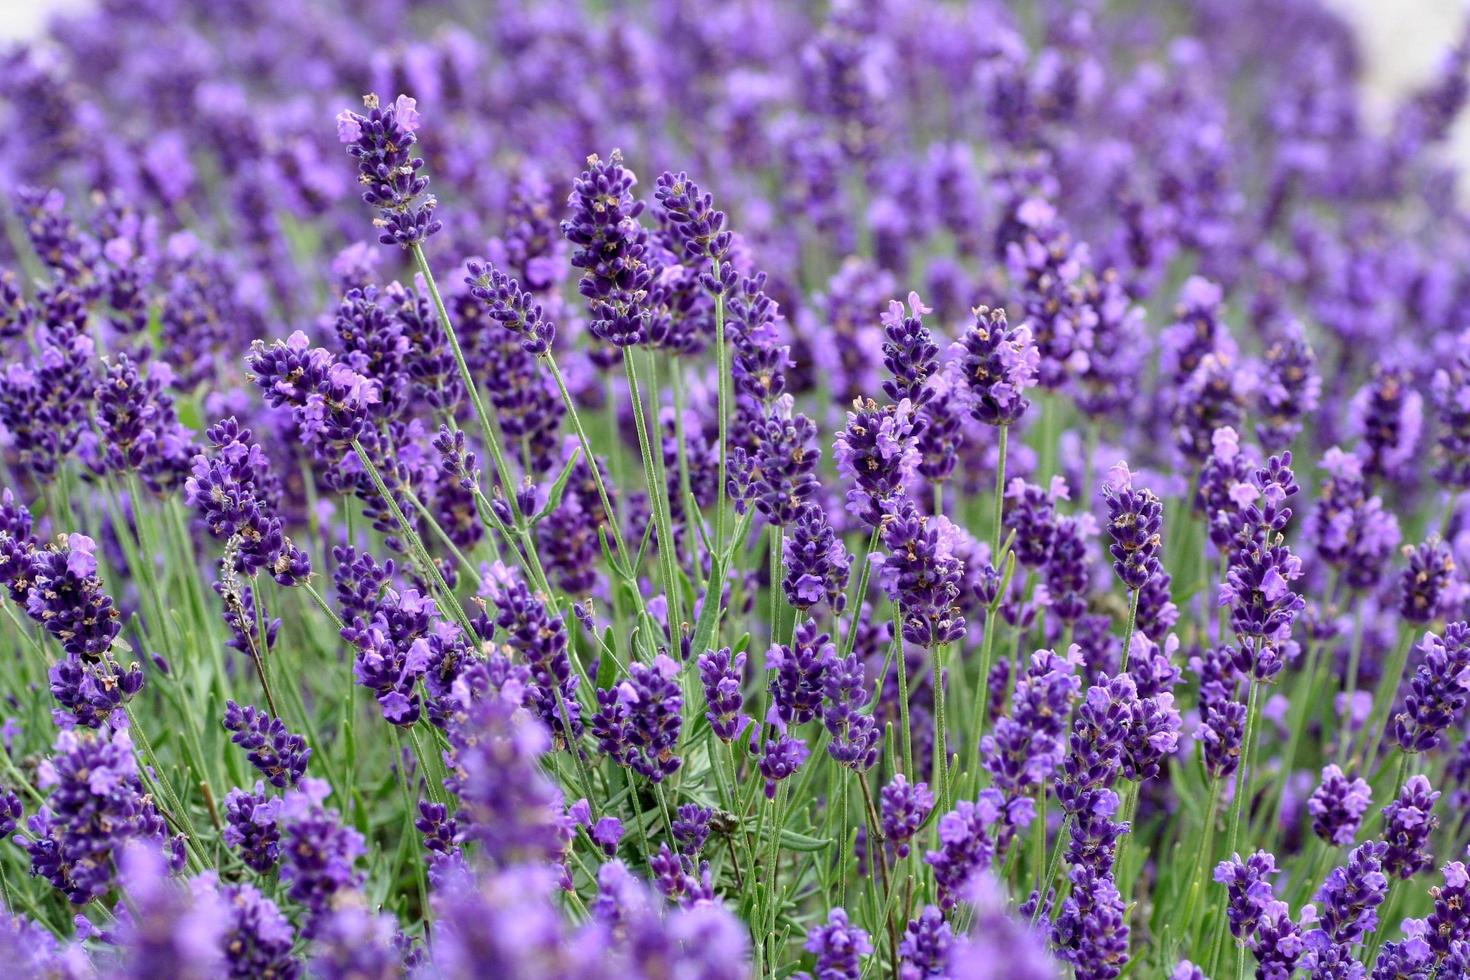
(319, 853)
(902, 809)
(638, 723)
(1337, 806)
(722, 676)
(610, 247)
(877, 452)
(253, 827)
(280, 756)
(1248, 887)
(1408, 823)
(839, 947)
(389, 173)
(1135, 523)
(922, 574)
(1438, 691)
(1451, 392)
(997, 364)
(815, 563)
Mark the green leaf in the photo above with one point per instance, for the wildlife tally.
(793, 841)
(558, 489)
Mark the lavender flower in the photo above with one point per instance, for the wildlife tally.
(909, 352)
(799, 673)
(1135, 523)
(783, 480)
(257, 939)
(1408, 823)
(1450, 390)
(252, 827)
(381, 141)
(319, 853)
(783, 756)
(1430, 567)
(67, 598)
(922, 574)
(1438, 691)
(1350, 898)
(279, 755)
(610, 246)
(514, 308)
(638, 721)
(902, 809)
(723, 698)
(839, 947)
(692, 220)
(1091, 931)
(856, 736)
(998, 363)
(815, 562)
(965, 844)
(1289, 391)
(1248, 886)
(877, 453)
(925, 948)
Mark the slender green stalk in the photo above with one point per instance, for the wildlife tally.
(658, 492)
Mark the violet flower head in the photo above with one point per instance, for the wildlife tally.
(1389, 413)
(1024, 748)
(909, 352)
(253, 827)
(67, 598)
(722, 677)
(1408, 823)
(1350, 898)
(540, 638)
(1032, 514)
(610, 247)
(925, 948)
(1068, 576)
(1278, 944)
(1352, 531)
(389, 173)
(691, 826)
(258, 938)
(692, 220)
(511, 306)
(798, 673)
(1438, 691)
(1431, 566)
(922, 574)
(1095, 743)
(1091, 930)
(169, 930)
(1450, 390)
(137, 429)
(1449, 922)
(815, 563)
(783, 756)
(1289, 391)
(1136, 524)
(88, 691)
(998, 363)
(1337, 806)
(1000, 945)
(785, 460)
(902, 809)
(966, 844)
(279, 755)
(877, 452)
(856, 735)
(638, 721)
(1248, 887)
(319, 854)
(839, 947)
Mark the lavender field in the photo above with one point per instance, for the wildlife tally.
(689, 491)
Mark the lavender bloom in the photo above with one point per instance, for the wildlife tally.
(441, 840)
(541, 639)
(876, 452)
(1278, 943)
(252, 827)
(319, 853)
(1337, 806)
(783, 756)
(1248, 885)
(507, 804)
(1390, 415)
(381, 141)
(966, 845)
(96, 805)
(1350, 898)
(88, 692)
(1135, 523)
(783, 479)
(1033, 516)
(1153, 736)
(902, 809)
(1449, 922)
(1067, 575)
(66, 596)
(925, 948)
(330, 401)
(1289, 391)
(137, 429)
(909, 352)
(1352, 531)
(514, 308)
(856, 736)
(1450, 390)
(1025, 748)
(1091, 931)
(10, 812)
(816, 563)
(1095, 745)
(723, 697)
(1430, 568)
(610, 246)
(1438, 692)
(279, 755)
(168, 930)
(638, 721)
(799, 673)
(839, 947)
(997, 365)
(1000, 946)
(257, 938)
(393, 652)
(922, 574)
(691, 827)
(351, 942)
(692, 220)
(1408, 823)
(1047, 268)
(43, 399)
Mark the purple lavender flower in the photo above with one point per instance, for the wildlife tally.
(1000, 945)
(137, 429)
(1289, 392)
(381, 141)
(799, 673)
(966, 845)
(540, 637)
(168, 930)
(1248, 887)
(783, 480)
(839, 947)
(1337, 806)
(1449, 922)
(723, 698)
(691, 827)
(441, 840)
(1024, 749)
(902, 809)
(514, 308)
(1135, 523)
(1352, 531)
(1389, 413)
(877, 453)
(610, 247)
(856, 736)
(1438, 692)
(1068, 578)
(998, 363)
(319, 853)
(87, 692)
(1278, 943)
(909, 352)
(783, 756)
(1408, 823)
(330, 401)
(1033, 516)
(1095, 744)
(1091, 931)
(393, 652)
(815, 562)
(66, 596)
(925, 948)
(1430, 567)
(638, 721)
(1350, 898)
(279, 755)
(1450, 390)
(96, 805)
(691, 218)
(257, 939)
(1221, 732)
(922, 574)
(252, 827)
